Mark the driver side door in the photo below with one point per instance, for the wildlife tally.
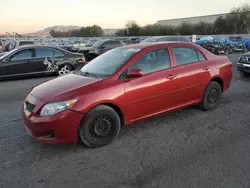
(156, 90)
(18, 63)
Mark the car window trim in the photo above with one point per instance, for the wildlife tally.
(185, 46)
(10, 56)
(145, 52)
(197, 50)
(49, 49)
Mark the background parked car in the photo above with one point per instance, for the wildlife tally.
(100, 47)
(91, 41)
(16, 44)
(243, 65)
(2, 53)
(127, 41)
(166, 39)
(38, 60)
(77, 45)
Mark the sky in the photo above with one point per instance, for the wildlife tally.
(24, 16)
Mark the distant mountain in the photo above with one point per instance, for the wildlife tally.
(45, 32)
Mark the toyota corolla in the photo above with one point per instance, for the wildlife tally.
(124, 85)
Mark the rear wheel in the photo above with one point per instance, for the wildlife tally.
(100, 126)
(64, 69)
(211, 96)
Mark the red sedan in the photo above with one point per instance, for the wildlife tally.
(122, 86)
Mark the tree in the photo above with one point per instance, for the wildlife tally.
(133, 29)
(240, 19)
(203, 28)
(185, 28)
(89, 31)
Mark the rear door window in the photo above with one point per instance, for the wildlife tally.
(201, 56)
(185, 55)
(46, 52)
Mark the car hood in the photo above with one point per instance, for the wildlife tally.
(63, 87)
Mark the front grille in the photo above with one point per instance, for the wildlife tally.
(29, 107)
(244, 59)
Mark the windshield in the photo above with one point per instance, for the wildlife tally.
(7, 54)
(110, 62)
(98, 43)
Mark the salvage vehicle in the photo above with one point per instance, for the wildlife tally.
(2, 53)
(124, 85)
(166, 39)
(77, 45)
(91, 41)
(1, 46)
(100, 47)
(243, 65)
(38, 60)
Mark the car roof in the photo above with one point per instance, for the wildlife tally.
(37, 46)
(153, 44)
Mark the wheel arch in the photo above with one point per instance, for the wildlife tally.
(218, 80)
(116, 107)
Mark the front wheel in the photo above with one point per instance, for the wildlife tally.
(99, 127)
(244, 74)
(211, 96)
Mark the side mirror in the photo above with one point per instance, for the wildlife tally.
(7, 60)
(134, 73)
(102, 47)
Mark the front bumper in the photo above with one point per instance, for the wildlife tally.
(243, 67)
(55, 129)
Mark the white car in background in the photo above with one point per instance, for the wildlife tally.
(18, 43)
(78, 45)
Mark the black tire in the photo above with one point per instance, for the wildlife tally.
(244, 74)
(211, 96)
(99, 127)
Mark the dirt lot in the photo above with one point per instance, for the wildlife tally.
(185, 148)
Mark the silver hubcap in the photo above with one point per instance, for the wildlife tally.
(64, 70)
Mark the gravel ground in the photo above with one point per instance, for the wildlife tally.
(185, 148)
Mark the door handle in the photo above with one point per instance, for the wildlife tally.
(170, 77)
(206, 68)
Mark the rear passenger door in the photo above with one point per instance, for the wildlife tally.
(193, 73)
(42, 56)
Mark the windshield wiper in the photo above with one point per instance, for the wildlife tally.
(88, 74)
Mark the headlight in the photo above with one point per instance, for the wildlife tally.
(55, 107)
